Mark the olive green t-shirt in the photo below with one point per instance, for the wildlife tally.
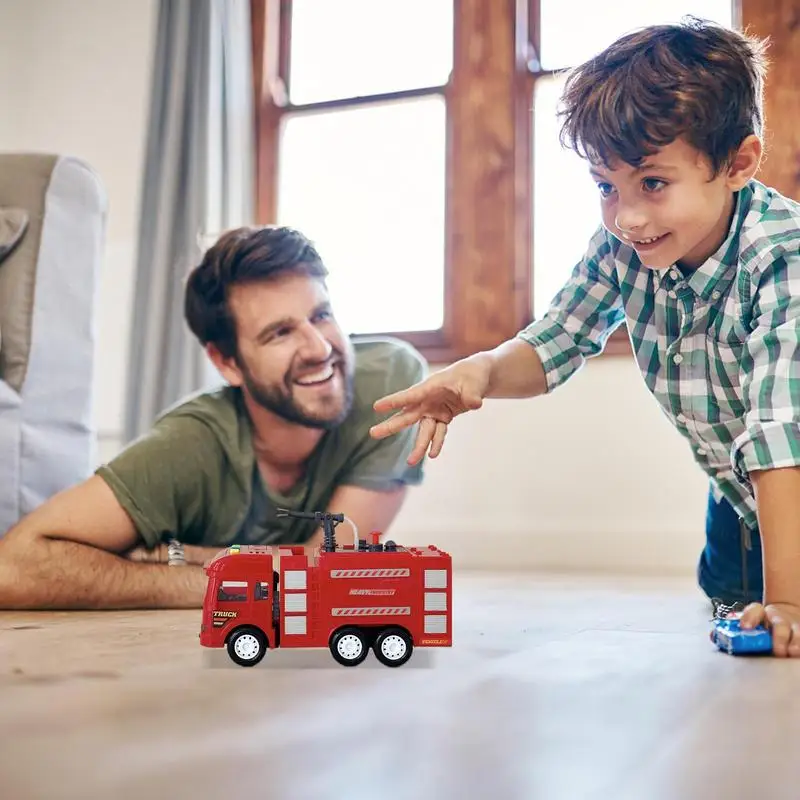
(194, 475)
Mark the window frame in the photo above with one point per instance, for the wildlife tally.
(488, 269)
(487, 247)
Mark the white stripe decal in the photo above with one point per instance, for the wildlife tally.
(371, 573)
(294, 579)
(435, 578)
(294, 602)
(370, 611)
(435, 623)
(295, 625)
(435, 601)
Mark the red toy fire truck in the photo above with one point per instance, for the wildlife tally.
(349, 598)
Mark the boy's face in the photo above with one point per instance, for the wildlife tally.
(670, 209)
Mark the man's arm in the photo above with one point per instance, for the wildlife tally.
(68, 554)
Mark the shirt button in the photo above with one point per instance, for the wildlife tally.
(674, 275)
(677, 358)
(701, 451)
(681, 418)
(715, 294)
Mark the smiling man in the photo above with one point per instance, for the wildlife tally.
(289, 429)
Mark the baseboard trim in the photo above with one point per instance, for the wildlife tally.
(619, 552)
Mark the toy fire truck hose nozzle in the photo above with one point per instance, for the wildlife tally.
(319, 516)
(327, 518)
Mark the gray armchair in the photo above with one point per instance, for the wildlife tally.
(52, 229)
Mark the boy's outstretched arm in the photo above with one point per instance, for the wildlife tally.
(777, 494)
(516, 371)
(511, 370)
(541, 357)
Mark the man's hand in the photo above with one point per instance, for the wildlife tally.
(434, 403)
(783, 619)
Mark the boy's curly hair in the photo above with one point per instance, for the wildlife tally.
(696, 80)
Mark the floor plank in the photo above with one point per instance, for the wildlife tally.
(579, 688)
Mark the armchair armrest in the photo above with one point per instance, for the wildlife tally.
(13, 224)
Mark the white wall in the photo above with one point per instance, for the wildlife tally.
(591, 477)
(8, 91)
(81, 76)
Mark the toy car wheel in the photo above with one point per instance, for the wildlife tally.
(349, 646)
(247, 647)
(393, 647)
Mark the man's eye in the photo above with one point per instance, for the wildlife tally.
(605, 189)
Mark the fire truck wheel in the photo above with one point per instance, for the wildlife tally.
(247, 646)
(349, 646)
(393, 647)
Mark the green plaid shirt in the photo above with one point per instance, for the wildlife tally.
(718, 347)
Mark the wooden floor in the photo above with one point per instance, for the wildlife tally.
(578, 688)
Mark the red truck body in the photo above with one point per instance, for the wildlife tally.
(350, 599)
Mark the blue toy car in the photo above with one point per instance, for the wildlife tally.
(728, 635)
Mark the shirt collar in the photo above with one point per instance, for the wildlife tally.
(714, 275)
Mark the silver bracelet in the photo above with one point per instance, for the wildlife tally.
(176, 556)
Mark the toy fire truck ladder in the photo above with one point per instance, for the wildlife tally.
(329, 522)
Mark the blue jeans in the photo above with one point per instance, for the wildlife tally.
(730, 566)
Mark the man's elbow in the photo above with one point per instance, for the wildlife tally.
(20, 538)
(17, 549)
(12, 585)
(26, 556)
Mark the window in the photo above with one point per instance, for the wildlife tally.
(416, 143)
(391, 143)
(230, 591)
(367, 183)
(361, 153)
(356, 157)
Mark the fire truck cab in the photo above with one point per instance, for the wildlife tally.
(350, 598)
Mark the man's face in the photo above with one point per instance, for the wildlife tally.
(294, 360)
(669, 209)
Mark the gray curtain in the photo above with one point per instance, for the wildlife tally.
(199, 179)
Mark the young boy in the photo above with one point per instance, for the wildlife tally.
(702, 262)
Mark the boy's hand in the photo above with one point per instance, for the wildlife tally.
(434, 403)
(784, 621)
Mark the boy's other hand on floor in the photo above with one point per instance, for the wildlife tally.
(783, 619)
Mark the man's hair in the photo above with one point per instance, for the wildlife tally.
(240, 256)
(696, 80)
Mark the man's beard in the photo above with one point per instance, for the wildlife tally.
(279, 398)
